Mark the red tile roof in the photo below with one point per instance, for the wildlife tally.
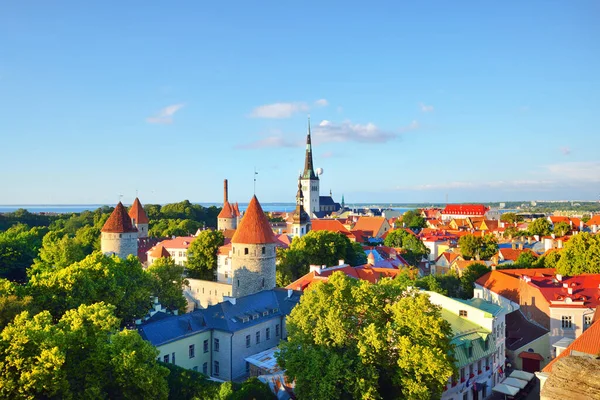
(465, 209)
(332, 225)
(137, 212)
(236, 209)
(228, 233)
(180, 242)
(225, 249)
(510, 254)
(588, 342)
(370, 224)
(254, 227)
(595, 220)
(159, 251)
(226, 211)
(119, 221)
(372, 275)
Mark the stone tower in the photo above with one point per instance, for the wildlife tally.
(227, 218)
(253, 253)
(119, 236)
(310, 181)
(139, 218)
(300, 219)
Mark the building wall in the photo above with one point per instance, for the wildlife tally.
(540, 345)
(224, 273)
(486, 294)
(226, 223)
(533, 304)
(179, 255)
(121, 244)
(181, 350)
(254, 271)
(206, 293)
(310, 191)
(577, 322)
(297, 230)
(142, 230)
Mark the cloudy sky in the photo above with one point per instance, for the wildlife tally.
(408, 103)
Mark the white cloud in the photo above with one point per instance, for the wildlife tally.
(565, 150)
(270, 141)
(425, 108)
(321, 103)
(165, 115)
(576, 171)
(414, 125)
(346, 131)
(279, 110)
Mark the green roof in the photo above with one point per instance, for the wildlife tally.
(483, 305)
(468, 334)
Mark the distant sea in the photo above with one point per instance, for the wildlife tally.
(77, 208)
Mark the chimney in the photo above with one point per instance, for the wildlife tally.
(514, 245)
(528, 239)
(341, 262)
(565, 285)
(559, 244)
(371, 259)
(520, 246)
(225, 191)
(570, 290)
(559, 277)
(553, 236)
(315, 268)
(230, 299)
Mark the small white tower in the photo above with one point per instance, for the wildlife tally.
(119, 236)
(300, 219)
(310, 181)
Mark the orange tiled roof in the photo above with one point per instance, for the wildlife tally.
(158, 251)
(225, 249)
(588, 342)
(513, 254)
(179, 242)
(137, 212)
(332, 225)
(370, 274)
(228, 233)
(369, 224)
(501, 283)
(119, 221)
(595, 220)
(465, 209)
(226, 211)
(254, 227)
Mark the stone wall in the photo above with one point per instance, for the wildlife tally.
(206, 293)
(142, 230)
(121, 244)
(226, 223)
(253, 267)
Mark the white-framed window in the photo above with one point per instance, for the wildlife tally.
(587, 320)
(567, 322)
(216, 369)
(247, 340)
(192, 351)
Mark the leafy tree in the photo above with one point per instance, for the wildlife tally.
(511, 232)
(540, 226)
(96, 278)
(253, 389)
(13, 301)
(511, 218)
(414, 249)
(469, 276)
(477, 247)
(202, 254)
(167, 281)
(580, 255)
(89, 238)
(58, 251)
(316, 248)
(19, 245)
(561, 228)
(413, 220)
(549, 260)
(527, 260)
(352, 339)
(173, 227)
(187, 384)
(81, 356)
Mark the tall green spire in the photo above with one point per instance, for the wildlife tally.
(309, 172)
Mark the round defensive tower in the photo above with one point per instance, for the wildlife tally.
(139, 218)
(119, 236)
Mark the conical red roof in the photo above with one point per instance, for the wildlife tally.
(119, 221)
(236, 209)
(226, 211)
(137, 212)
(254, 227)
(159, 251)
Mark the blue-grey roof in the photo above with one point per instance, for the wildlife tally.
(224, 316)
(327, 201)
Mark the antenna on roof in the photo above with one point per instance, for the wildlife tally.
(255, 173)
(136, 193)
(120, 197)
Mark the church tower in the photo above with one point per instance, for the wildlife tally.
(227, 218)
(253, 253)
(310, 181)
(139, 218)
(300, 219)
(119, 236)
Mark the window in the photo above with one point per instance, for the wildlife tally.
(192, 349)
(462, 313)
(246, 251)
(258, 337)
(486, 343)
(470, 351)
(173, 357)
(466, 395)
(479, 365)
(205, 368)
(166, 359)
(247, 340)
(216, 344)
(567, 322)
(216, 369)
(264, 250)
(247, 367)
(268, 333)
(462, 374)
(470, 369)
(276, 329)
(587, 320)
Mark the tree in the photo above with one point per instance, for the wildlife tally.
(510, 232)
(58, 251)
(580, 255)
(511, 218)
(414, 249)
(477, 247)
(19, 245)
(202, 254)
(122, 283)
(81, 356)
(13, 301)
(561, 228)
(348, 338)
(413, 220)
(188, 384)
(467, 280)
(167, 283)
(252, 389)
(540, 226)
(527, 260)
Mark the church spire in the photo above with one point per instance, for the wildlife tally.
(309, 172)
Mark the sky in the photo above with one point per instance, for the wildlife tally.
(408, 101)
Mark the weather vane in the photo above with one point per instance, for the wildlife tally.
(255, 173)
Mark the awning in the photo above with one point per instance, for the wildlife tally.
(531, 356)
(515, 382)
(526, 376)
(505, 389)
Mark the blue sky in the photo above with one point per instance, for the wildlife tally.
(480, 101)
